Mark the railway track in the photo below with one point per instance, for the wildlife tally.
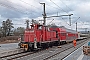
(47, 56)
(14, 56)
(80, 43)
(52, 52)
(17, 55)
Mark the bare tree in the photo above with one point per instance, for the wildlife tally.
(1, 33)
(9, 26)
(19, 31)
(6, 27)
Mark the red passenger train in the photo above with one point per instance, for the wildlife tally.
(40, 36)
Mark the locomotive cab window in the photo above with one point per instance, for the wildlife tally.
(32, 27)
(40, 27)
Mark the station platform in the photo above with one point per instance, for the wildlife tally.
(78, 54)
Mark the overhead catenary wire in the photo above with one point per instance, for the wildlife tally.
(61, 8)
(24, 8)
(16, 9)
(11, 8)
(65, 21)
(76, 20)
(55, 8)
(58, 6)
(33, 7)
(17, 5)
(47, 6)
(52, 6)
(66, 5)
(29, 4)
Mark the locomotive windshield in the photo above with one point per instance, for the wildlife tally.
(32, 27)
(40, 27)
(36, 26)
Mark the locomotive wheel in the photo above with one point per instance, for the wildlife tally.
(55, 43)
(47, 45)
(58, 42)
(51, 44)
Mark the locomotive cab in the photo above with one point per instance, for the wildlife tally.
(31, 37)
(38, 37)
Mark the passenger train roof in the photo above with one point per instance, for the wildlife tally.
(54, 26)
(67, 30)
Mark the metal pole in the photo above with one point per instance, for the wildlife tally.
(44, 14)
(27, 22)
(70, 19)
(76, 26)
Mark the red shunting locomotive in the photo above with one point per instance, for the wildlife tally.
(40, 36)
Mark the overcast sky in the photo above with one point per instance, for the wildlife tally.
(20, 10)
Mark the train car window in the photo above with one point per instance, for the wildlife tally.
(63, 34)
(32, 27)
